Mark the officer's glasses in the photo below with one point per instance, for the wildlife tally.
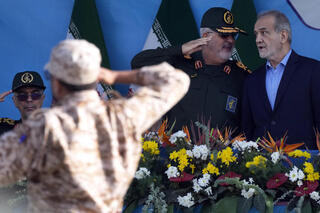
(24, 96)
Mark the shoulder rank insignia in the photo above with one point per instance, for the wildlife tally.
(227, 69)
(244, 67)
(197, 64)
(7, 121)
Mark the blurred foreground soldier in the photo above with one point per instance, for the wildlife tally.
(216, 82)
(81, 155)
(28, 95)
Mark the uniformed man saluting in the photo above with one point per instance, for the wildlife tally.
(28, 95)
(81, 154)
(216, 81)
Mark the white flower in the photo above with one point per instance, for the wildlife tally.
(245, 182)
(186, 201)
(247, 194)
(208, 190)
(300, 174)
(251, 181)
(295, 174)
(176, 135)
(204, 181)
(142, 173)
(299, 183)
(244, 145)
(275, 157)
(172, 171)
(200, 151)
(196, 186)
(315, 196)
(189, 153)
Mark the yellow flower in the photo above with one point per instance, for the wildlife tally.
(226, 156)
(313, 176)
(182, 158)
(192, 166)
(151, 147)
(298, 153)
(258, 161)
(173, 155)
(308, 168)
(142, 157)
(211, 169)
(211, 157)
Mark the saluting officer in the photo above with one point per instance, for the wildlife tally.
(216, 81)
(28, 95)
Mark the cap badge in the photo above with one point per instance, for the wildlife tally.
(27, 78)
(228, 17)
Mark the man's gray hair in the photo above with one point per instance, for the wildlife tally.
(204, 30)
(281, 22)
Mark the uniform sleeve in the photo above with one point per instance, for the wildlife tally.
(156, 56)
(17, 151)
(163, 86)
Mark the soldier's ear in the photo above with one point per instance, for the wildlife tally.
(14, 99)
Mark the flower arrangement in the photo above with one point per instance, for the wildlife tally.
(222, 174)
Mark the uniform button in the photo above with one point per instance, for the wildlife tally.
(273, 122)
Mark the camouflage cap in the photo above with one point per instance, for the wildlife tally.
(27, 79)
(220, 20)
(75, 62)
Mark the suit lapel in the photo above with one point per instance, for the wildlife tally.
(263, 91)
(285, 80)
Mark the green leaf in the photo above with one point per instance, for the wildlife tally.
(226, 205)
(259, 203)
(131, 207)
(244, 205)
(170, 208)
(292, 203)
(271, 192)
(207, 208)
(306, 207)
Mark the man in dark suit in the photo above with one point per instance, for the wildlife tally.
(284, 94)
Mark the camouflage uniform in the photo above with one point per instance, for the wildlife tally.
(81, 155)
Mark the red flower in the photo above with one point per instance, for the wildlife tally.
(276, 181)
(228, 175)
(183, 178)
(307, 188)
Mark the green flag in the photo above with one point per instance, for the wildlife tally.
(173, 25)
(245, 13)
(85, 24)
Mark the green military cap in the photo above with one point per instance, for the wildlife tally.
(27, 79)
(220, 20)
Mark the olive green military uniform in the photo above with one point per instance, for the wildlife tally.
(214, 93)
(81, 155)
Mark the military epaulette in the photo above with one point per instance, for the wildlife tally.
(243, 67)
(7, 121)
